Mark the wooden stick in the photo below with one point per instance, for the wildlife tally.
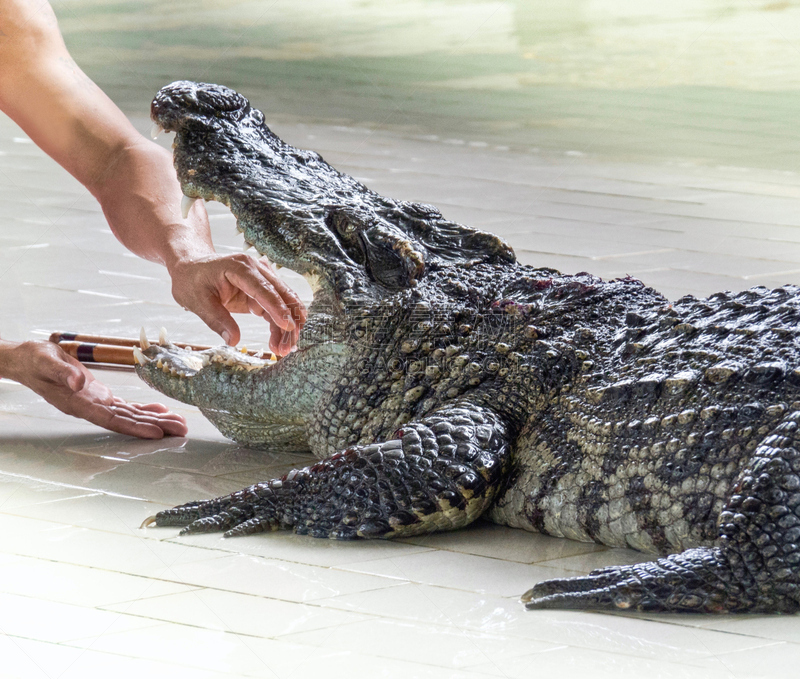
(59, 337)
(116, 350)
(87, 352)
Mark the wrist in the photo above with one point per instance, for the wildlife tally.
(8, 362)
(141, 200)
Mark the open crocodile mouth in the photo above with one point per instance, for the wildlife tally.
(300, 212)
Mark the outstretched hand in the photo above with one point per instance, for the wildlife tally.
(63, 382)
(215, 286)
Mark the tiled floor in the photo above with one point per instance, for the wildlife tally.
(86, 592)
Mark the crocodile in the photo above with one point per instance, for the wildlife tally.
(437, 380)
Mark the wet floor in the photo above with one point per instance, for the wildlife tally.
(613, 137)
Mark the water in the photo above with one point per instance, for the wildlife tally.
(707, 81)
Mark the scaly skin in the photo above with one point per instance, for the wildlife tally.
(440, 381)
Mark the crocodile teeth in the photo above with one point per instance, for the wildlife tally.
(159, 363)
(155, 130)
(186, 205)
(247, 246)
(139, 357)
(143, 339)
(163, 340)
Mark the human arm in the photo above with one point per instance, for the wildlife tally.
(66, 384)
(72, 120)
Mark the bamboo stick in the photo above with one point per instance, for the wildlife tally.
(116, 350)
(87, 352)
(59, 337)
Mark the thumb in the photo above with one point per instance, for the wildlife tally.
(220, 321)
(70, 376)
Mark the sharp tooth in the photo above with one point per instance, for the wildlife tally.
(247, 246)
(159, 363)
(186, 205)
(143, 339)
(278, 267)
(163, 340)
(139, 357)
(155, 130)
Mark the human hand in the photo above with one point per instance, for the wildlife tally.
(215, 286)
(65, 383)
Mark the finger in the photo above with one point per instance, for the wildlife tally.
(289, 296)
(219, 319)
(152, 407)
(275, 339)
(68, 375)
(128, 420)
(262, 290)
(174, 427)
(121, 421)
(256, 309)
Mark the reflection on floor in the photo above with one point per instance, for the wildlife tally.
(86, 593)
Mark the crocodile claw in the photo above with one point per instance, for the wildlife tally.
(695, 581)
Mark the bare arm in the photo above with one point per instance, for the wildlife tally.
(72, 120)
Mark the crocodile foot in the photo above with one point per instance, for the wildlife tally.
(695, 581)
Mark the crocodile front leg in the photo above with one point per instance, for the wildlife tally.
(255, 402)
(438, 473)
(755, 568)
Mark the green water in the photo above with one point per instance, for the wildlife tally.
(705, 81)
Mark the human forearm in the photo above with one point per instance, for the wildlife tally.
(140, 197)
(72, 120)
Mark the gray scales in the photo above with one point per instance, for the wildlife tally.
(439, 381)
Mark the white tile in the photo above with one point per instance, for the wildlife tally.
(568, 662)
(210, 650)
(762, 627)
(17, 492)
(460, 571)
(51, 621)
(631, 636)
(239, 613)
(99, 511)
(772, 660)
(436, 605)
(483, 538)
(350, 664)
(80, 546)
(275, 579)
(31, 659)
(445, 646)
(78, 585)
(287, 546)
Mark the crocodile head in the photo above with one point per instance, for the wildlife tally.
(356, 248)
(299, 211)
